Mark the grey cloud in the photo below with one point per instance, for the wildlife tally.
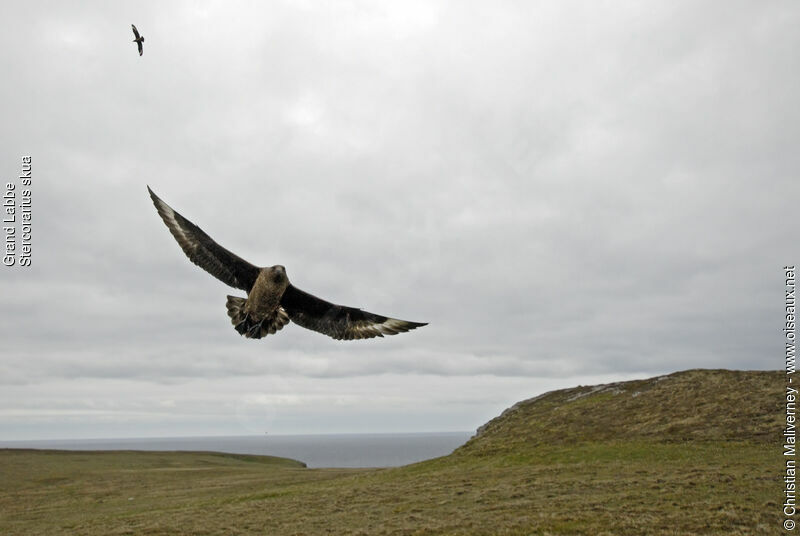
(563, 190)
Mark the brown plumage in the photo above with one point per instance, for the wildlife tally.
(272, 301)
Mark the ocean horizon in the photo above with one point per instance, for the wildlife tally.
(315, 450)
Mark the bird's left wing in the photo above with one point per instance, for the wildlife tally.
(204, 252)
(339, 321)
(135, 31)
(141, 48)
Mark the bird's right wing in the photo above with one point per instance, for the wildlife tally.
(204, 252)
(141, 49)
(135, 31)
(339, 321)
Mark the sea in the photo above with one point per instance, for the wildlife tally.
(322, 450)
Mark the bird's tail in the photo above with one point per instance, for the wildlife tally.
(248, 327)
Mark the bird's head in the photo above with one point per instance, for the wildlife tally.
(278, 273)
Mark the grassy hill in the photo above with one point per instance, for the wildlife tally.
(695, 405)
(695, 452)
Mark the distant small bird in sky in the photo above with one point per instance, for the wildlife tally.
(271, 300)
(139, 39)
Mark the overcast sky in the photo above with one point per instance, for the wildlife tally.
(568, 192)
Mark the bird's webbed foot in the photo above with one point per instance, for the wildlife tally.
(243, 326)
(254, 332)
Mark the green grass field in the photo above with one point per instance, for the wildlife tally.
(696, 452)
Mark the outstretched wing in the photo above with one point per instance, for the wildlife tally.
(339, 321)
(204, 252)
(141, 48)
(135, 31)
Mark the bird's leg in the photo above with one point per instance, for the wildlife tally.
(255, 330)
(243, 326)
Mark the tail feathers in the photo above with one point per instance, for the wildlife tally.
(236, 310)
(248, 327)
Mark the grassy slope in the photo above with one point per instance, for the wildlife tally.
(695, 452)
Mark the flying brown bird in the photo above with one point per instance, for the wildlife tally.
(271, 300)
(139, 40)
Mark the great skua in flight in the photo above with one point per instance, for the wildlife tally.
(272, 301)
